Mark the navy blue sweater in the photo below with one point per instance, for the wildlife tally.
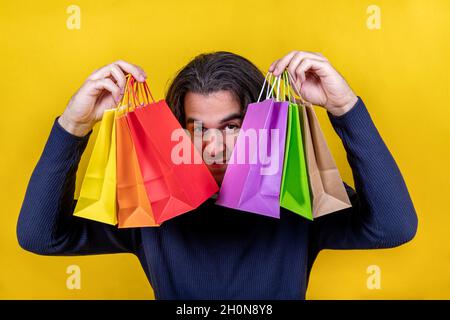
(216, 252)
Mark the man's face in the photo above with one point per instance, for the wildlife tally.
(218, 118)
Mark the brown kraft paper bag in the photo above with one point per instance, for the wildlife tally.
(327, 188)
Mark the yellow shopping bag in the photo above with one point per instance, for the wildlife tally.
(97, 200)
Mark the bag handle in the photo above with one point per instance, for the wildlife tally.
(286, 86)
(140, 90)
(293, 85)
(140, 94)
(148, 92)
(270, 87)
(124, 103)
(264, 85)
(133, 90)
(133, 93)
(276, 83)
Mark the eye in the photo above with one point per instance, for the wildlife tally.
(231, 127)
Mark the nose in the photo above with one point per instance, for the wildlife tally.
(213, 146)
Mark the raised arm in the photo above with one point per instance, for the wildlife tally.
(46, 224)
(382, 214)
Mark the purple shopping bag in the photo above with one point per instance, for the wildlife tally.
(252, 180)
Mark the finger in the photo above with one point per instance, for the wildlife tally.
(317, 67)
(95, 87)
(303, 102)
(278, 65)
(124, 66)
(137, 72)
(119, 76)
(298, 56)
(272, 66)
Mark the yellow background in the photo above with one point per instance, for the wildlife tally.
(401, 71)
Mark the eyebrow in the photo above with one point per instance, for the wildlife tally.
(232, 116)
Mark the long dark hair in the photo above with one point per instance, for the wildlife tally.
(211, 72)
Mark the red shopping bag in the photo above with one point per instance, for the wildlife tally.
(172, 187)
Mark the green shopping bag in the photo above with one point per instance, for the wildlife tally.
(295, 193)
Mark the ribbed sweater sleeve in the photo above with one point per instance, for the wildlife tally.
(383, 214)
(46, 224)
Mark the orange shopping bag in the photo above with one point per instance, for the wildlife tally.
(134, 209)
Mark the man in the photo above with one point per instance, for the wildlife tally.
(215, 252)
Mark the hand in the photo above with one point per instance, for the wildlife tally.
(319, 83)
(102, 90)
